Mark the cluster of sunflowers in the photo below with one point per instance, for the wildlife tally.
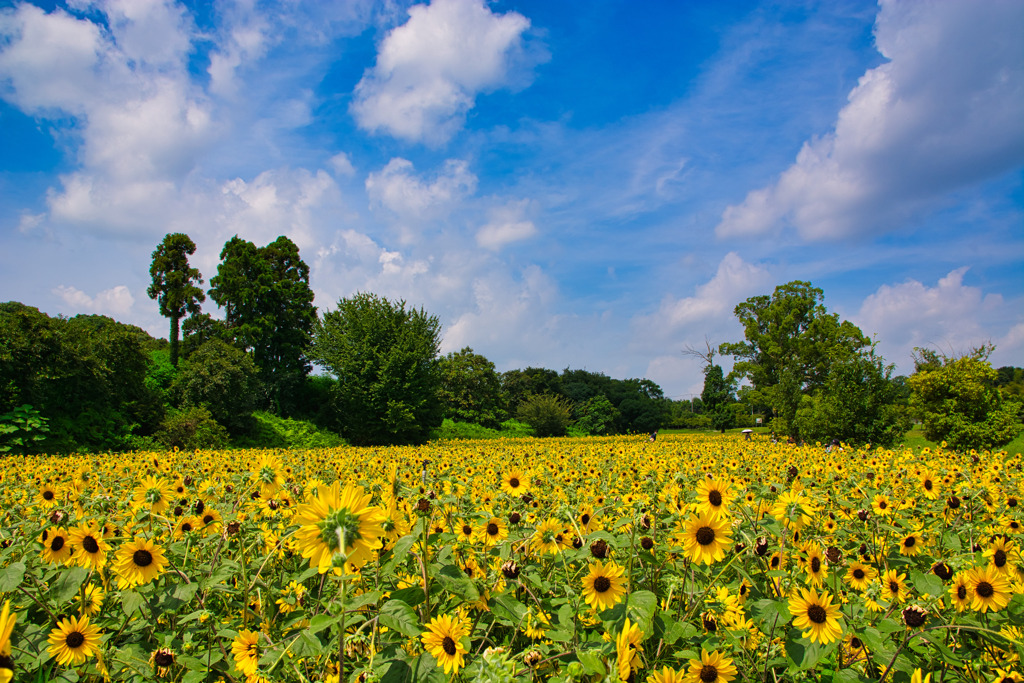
(692, 558)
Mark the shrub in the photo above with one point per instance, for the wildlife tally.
(191, 429)
(271, 431)
(549, 415)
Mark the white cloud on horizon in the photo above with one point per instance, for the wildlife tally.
(116, 301)
(945, 111)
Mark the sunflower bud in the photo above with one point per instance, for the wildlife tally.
(761, 547)
(599, 549)
(510, 570)
(914, 616)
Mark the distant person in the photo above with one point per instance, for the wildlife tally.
(653, 436)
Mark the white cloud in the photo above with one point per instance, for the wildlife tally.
(397, 188)
(507, 224)
(950, 317)
(946, 110)
(116, 301)
(342, 165)
(430, 69)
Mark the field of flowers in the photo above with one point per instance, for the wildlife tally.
(691, 558)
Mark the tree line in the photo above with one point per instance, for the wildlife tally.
(245, 377)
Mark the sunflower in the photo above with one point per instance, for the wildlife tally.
(138, 562)
(210, 520)
(56, 549)
(930, 485)
(93, 602)
(48, 495)
(959, 592)
(1000, 554)
(515, 482)
(628, 648)
(74, 641)
(705, 538)
(6, 628)
(535, 625)
(268, 475)
(291, 598)
(794, 510)
(815, 567)
(1007, 676)
(493, 532)
(604, 586)
(545, 537)
(894, 586)
(817, 615)
(710, 668)
(911, 544)
(338, 520)
(156, 494)
(443, 640)
(90, 548)
(587, 520)
(187, 525)
(666, 675)
(989, 589)
(920, 677)
(882, 506)
(860, 575)
(713, 497)
(245, 648)
(465, 532)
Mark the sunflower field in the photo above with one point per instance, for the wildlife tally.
(691, 558)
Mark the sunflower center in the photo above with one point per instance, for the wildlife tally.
(90, 545)
(999, 558)
(448, 645)
(715, 498)
(855, 643)
(514, 482)
(492, 529)
(894, 587)
(57, 543)
(48, 495)
(858, 573)
(705, 535)
(467, 530)
(74, 639)
(985, 589)
(585, 518)
(909, 542)
(928, 484)
(708, 673)
(142, 558)
(882, 505)
(207, 519)
(817, 614)
(961, 592)
(816, 565)
(602, 584)
(186, 527)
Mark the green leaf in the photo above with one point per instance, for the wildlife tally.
(559, 636)
(185, 592)
(131, 601)
(679, 629)
(68, 584)
(593, 662)
(927, 583)
(362, 600)
(307, 645)
(847, 676)
(11, 577)
(455, 581)
(412, 595)
(320, 622)
(507, 610)
(641, 606)
(399, 616)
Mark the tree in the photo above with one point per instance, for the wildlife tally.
(471, 389)
(269, 310)
(716, 397)
(222, 379)
(175, 283)
(791, 342)
(548, 414)
(958, 402)
(597, 415)
(385, 359)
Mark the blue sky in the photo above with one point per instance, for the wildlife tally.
(588, 185)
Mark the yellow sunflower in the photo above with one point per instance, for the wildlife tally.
(628, 648)
(959, 592)
(712, 667)
(667, 675)
(74, 641)
(56, 549)
(515, 482)
(154, 494)
(6, 629)
(1001, 554)
(245, 649)
(48, 496)
(860, 575)
(546, 537)
(604, 585)
(713, 497)
(912, 544)
(816, 616)
(90, 548)
(894, 586)
(989, 589)
(338, 520)
(705, 538)
(138, 562)
(93, 602)
(815, 566)
(494, 531)
(443, 640)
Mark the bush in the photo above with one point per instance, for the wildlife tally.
(271, 431)
(450, 429)
(222, 379)
(191, 429)
(515, 429)
(549, 415)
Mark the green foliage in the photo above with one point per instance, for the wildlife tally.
(269, 310)
(716, 397)
(174, 284)
(222, 379)
(515, 429)
(160, 374)
(385, 359)
(190, 429)
(958, 402)
(597, 416)
(549, 415)
(471, 389)
(450, 430)
(22, 430)
(272, 431)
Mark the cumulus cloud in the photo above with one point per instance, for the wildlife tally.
(944, 111)
(398, 188)
(116, 301)
(507, 224)
(950, 317)
(430, 70)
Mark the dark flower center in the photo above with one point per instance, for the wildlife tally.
(894, 587)
(708, 673)
(57, 543)
(585, 518)
(467, 530)
(48, 495)
(90, 545)
(775, 561)
(999, 558)
(815, 565)
(513, 482)
(715, 498)
(163, 658)
(985, 589)
(142, 558)
(602, 584)
(909, 542)
(882, 505)
(928, 484)
(74, 639)
(207, 519)
(705, 535)
(855, 643)
(492, 529)
(1011, 502)
(448, 645)
(961, 592)
(858, 573)
(817, 614)
(186, 527)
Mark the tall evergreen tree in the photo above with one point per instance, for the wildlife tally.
(175, 284)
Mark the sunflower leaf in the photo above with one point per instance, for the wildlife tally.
(11, 577)
(454, 581)
(399, 616)
(69, 583)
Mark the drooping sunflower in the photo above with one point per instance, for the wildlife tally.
(138, 562)
(816, 616)
(604, 585)
(443, 640)
(860, 575)
(894, 586)
(90, 547)
(705, 538)
(960, 593)
(712, 667)
(245, 649)
(628, 648)
(989, 589)
(494, 531)
(93, 602)
(515, 482)
(74, 641)
(714, 497)
(338, 520)
(546, 535)
(56, 549)
(667, 675)
(794, 510)
(154, 494)
(6, 629)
